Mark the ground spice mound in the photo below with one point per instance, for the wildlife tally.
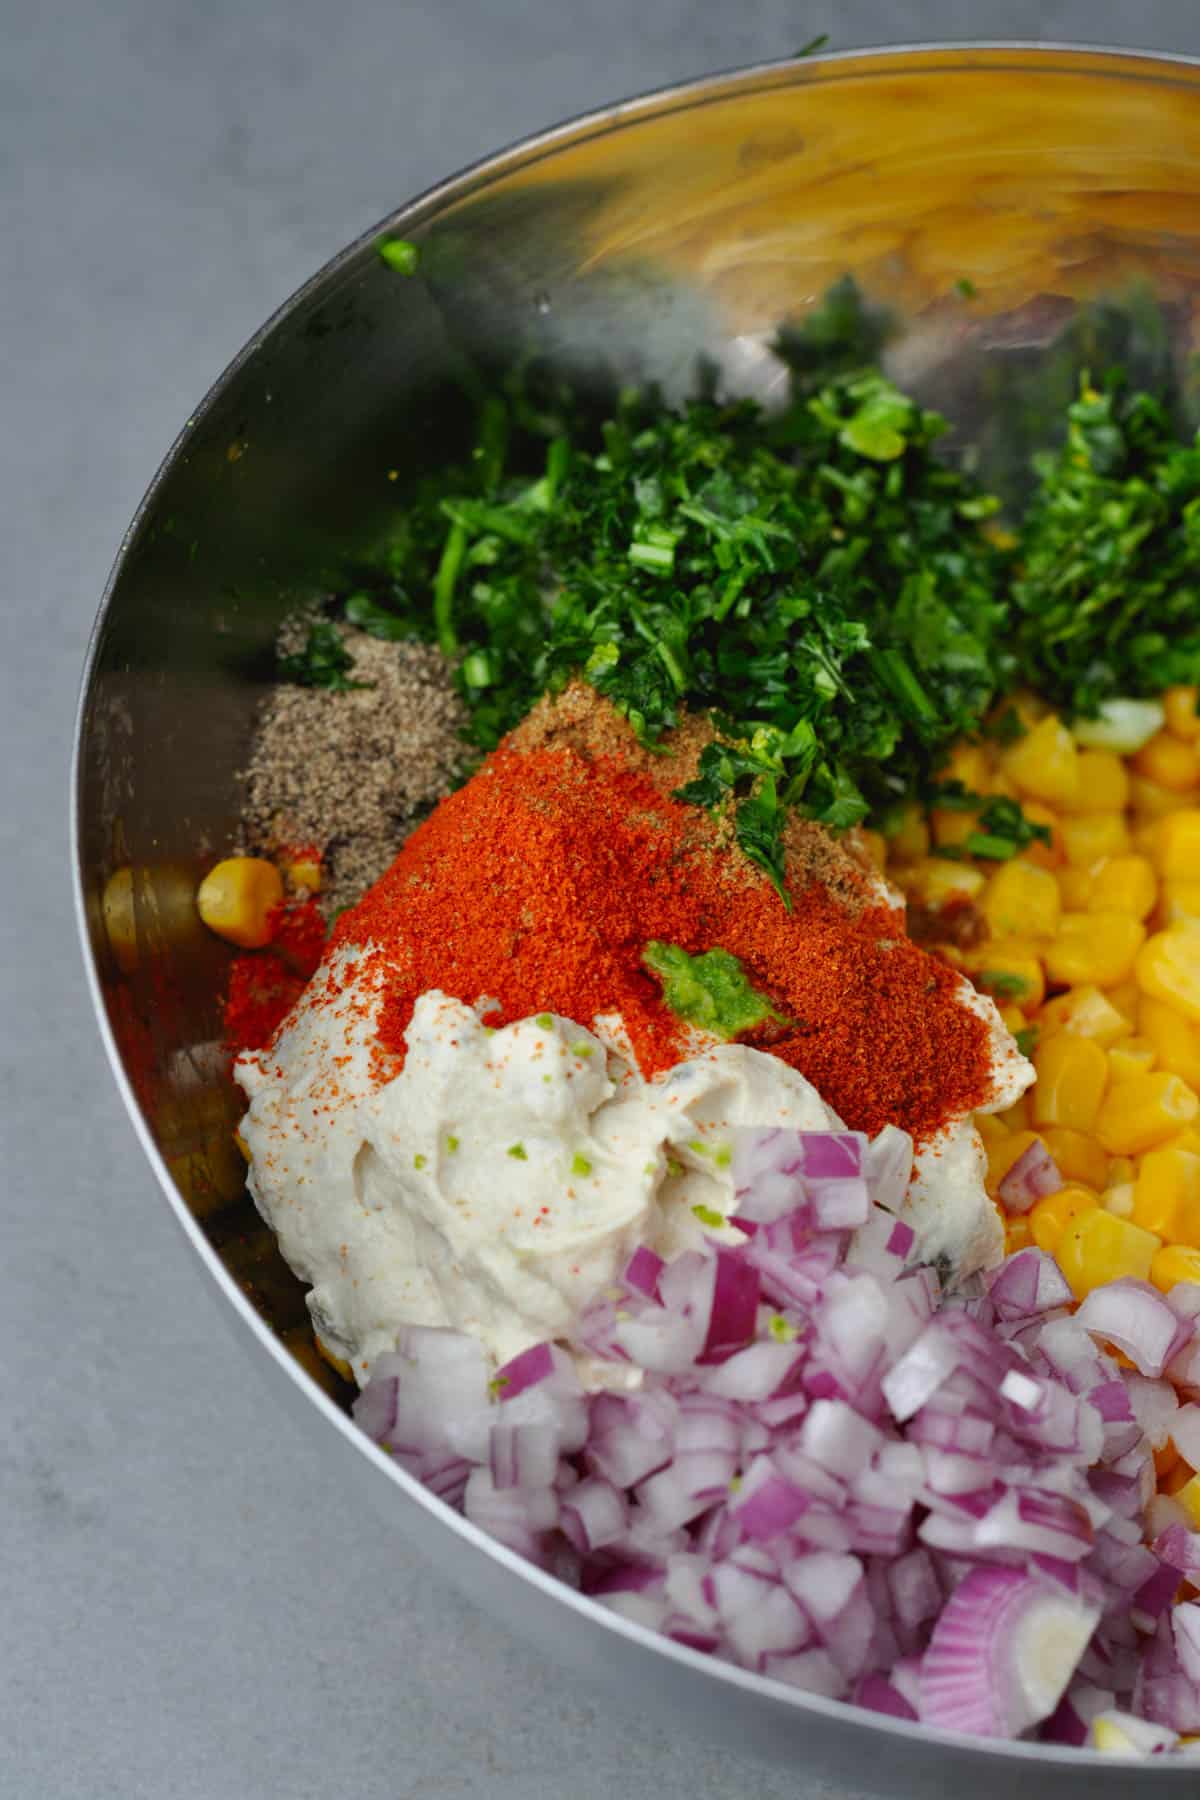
(580, 719)
(540, 882)
(352, 771)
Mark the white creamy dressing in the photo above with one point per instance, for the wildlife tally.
(502, 1178)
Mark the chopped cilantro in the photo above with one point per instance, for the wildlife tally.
(1004, 985)
(545, 1020)
(582, 1049)
(518, 1152)
(1026, 1040)
(452, 1144)
(419, 1161)
(781, 1330)
(1107, 601)
(707, 1216)
(580, 1164)
(710, 991)
(965, 288)
(322, 662)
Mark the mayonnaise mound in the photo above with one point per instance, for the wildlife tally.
(502, 1177)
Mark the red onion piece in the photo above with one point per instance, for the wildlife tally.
(1135, 1317)
(1002, 1653)
(1033, 1176)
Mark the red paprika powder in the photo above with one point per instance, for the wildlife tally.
(541, 881)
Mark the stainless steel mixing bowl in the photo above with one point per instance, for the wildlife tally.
(631, 244)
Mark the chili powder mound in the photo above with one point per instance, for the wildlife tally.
(540, 882)
(264, 985)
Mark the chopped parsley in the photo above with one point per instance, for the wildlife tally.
(1026, 1040)
(581, 1164)
(1107, 600)
(518, 1152)
(399, 254)
(710, 991)
(823, 581)
(708, 1216)
(1003, 828)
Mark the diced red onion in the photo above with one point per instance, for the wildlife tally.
(1135, 1317)
(594, 1514)
(824, 1461)
(1002, 1653)
(833, 1155)
(524, 1456)
(1183, 1428)
(642, 1272)
(877, 1694)
(1029, 1282)
(887, 1164)
(1033, 1176)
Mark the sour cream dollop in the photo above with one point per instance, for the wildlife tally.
(503, 1177)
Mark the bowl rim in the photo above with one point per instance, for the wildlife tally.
(950, 58)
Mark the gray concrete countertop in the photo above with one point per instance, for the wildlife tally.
(193, 1607)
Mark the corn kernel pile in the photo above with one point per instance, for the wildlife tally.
(1092, 952)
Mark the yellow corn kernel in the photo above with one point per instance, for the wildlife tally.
(237, 897)
(1167, 1191)
(936, 881)
(1132, 1056)
(950, 827)
(1049, 1218)
(1012, 1018)
(970, 764)
(304, 874)
(1090, 836)
(1188, 1497)
(1118, 1200)
(1008, 968)
(1169, 762)
(1074, 887)
(1180, 1477)
(1003, 1152)
(1097, 1247)
(1123, 884)
(1086, 1012)
(1177, 845)
(1126, 996)
(1175, 1264)
(991, 1129)
(1016, 1116)
(1176, 1040)
(1152, 802)
(1045, 856)
(1017, 1236)
(1166, 1457)
(1099, 948)
(1179, 704)
(1045, 762)
(1103, 783)
(1121, 1168)
(1179, 900)
(1021, 900)
(242, 1145)
(1072, 1074)
(1077, 1156)
(1168, 967)
(1144, 1111)
(910, 839)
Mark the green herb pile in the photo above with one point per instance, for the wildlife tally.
(820, 579)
